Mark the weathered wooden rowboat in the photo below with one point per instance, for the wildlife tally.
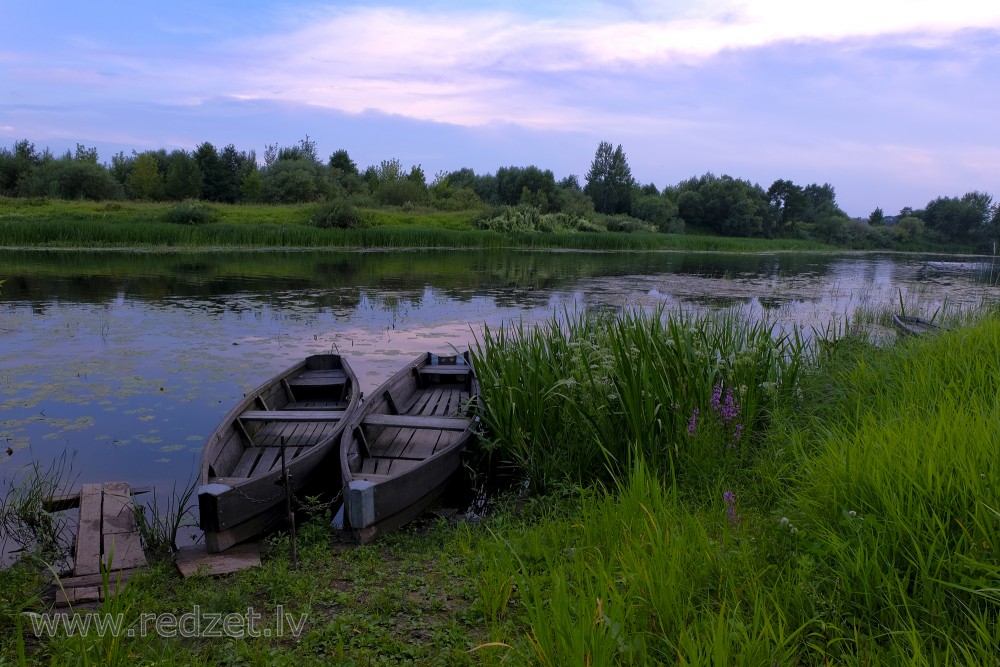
(302, 411)
(399, 450)
(910, 325)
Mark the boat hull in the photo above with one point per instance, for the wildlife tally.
(402, 447)
(292, 422)
(909, 325)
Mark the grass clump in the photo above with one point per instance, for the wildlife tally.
(191, 212)
(38, 534)
(158, 530)
(337, 214)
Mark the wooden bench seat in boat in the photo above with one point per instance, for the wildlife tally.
(443, 370)
(417, 421)
(292, 415)
(324, 378)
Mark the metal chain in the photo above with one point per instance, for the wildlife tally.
(281, 493)
(240, 493)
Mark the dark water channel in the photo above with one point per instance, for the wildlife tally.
(128, 360)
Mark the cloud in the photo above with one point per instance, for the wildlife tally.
(476, 67)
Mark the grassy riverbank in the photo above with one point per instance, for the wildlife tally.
(700, 492)
(80, 224)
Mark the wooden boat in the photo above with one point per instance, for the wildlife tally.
(399, 450)
(910, 325)
(301, 412)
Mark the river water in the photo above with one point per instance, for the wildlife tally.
(126, 361)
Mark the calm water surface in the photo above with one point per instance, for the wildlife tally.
(128, 360)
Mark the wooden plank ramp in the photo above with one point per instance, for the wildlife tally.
(196, 560)
(107, 539)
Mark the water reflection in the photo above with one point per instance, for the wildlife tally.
(130, 359)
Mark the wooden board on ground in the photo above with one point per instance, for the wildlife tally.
(196, 560)
(69, 501)
(106, 539)
(71, 596)
(87, 558)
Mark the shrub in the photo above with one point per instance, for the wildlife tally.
(71, 179)
(628, 224)
(880, 237)
(555, 222)
(656, 210)
(675, 226)
(588, 225)
(397, 193)
(510, 219)
(191, 213)
(339, 214)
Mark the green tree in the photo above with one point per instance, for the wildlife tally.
(121, 167)
(393, 186)
(213, 176)
(84, 154)
(821, 202)
(183, 179)
(529, 185)
(609, 181)
(233, 166)
(69, 178)
(344, 172)
(293, 180)
(877, 218)
(725, 205)
(571, 200)
(16, 166)
(252, 186)
(908, 228)
(655, 209)
(146, 181)
(787, 204)
(959, 219)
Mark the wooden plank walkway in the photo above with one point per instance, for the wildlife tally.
(106, 539)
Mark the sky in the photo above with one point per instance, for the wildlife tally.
(893, 102)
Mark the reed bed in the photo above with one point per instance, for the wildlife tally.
(575, 399)
(122, 232)
(80, 224)
(860, 526)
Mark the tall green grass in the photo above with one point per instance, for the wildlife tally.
(862, 528)
(900, 482)
(575, 398)
(638, 577)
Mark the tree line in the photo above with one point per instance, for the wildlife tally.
(528, 198)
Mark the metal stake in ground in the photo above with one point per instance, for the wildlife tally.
(286, 480)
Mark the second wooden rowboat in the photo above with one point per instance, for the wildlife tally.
(911, 325)
(400, 449)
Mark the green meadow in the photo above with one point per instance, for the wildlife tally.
(51, 223)
(686, 490)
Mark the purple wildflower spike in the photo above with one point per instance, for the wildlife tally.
(730, 499)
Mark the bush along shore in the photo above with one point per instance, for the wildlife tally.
(696, 490)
